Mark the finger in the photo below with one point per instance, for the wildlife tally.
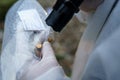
(47, 50)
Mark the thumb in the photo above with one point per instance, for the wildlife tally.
(47, 50)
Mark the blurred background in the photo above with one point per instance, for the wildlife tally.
(65, 43)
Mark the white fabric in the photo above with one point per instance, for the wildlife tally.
(18, 54)
(104, 62)
(89, 38)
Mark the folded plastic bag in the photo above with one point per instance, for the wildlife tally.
(24, 28)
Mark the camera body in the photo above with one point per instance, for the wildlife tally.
(62, 13)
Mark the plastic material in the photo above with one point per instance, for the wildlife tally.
(62, 13)
(19, 44)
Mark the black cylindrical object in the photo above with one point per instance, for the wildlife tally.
(62, 12)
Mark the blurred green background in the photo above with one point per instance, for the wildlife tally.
(4, 6)
(65, 43)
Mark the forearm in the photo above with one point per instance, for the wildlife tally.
(90, 5)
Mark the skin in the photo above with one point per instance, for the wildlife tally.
(90, 5)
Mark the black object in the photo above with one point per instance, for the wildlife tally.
(62, 12)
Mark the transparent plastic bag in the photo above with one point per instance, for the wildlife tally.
(24, 28)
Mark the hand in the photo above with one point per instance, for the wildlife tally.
(37, 68)
(90, 5)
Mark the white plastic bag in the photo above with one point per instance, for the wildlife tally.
(24, 27)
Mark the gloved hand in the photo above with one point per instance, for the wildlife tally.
(45, 69)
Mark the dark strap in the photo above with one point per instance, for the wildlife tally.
(114, 5)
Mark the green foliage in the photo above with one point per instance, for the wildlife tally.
(4, 6)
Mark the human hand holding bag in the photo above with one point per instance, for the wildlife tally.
(45, 69)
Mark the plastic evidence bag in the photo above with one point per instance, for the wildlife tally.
(24, 28)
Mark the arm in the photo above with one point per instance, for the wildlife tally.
(90, 5)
